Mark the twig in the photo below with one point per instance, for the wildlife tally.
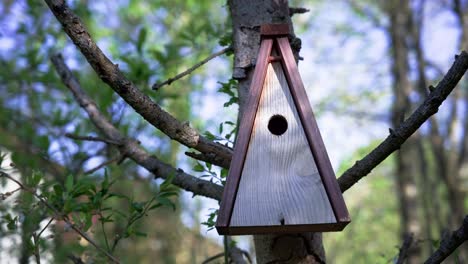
(140, 102)
(158, 85)
(36, 253)
(247, 255)
(4, 196)
(104, 164)
(217, 256)
(131, 148)
(91, 138)
(398, 136)
(103, 229)
(131, 221)
(450, 244)
(297, 10)
(45, 227)
(404, 249)
(63, 217)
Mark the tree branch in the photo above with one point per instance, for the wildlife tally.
(398, 136)
(118, 160)
(403, 255)
(158, 85)
(210, 158)
(111, 75)
(130, 147)
(213, 258)
(297, 10)
(447, 246)
(91, 138)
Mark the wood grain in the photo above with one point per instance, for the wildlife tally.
(280, 183)
(242, 141)
(312, 131)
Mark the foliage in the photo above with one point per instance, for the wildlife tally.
(84, 203)
(36, 113)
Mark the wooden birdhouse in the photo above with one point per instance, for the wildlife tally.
(280, 179)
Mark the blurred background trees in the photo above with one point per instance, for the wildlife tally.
(367, 65)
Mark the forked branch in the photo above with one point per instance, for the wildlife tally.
(111, 75)
(399, 135)
(128, 147)
(449, 245)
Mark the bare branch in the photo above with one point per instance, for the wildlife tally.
(59, 214)
(158, 85)
(91, 138)
(212, 258)
(111, 75)
(404, 249)
(45, 227)
(118, 160)
(398, 136)
(210, 158)
(449, 245)
(297, 10)
(130, 147)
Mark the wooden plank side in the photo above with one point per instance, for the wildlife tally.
(274, 29)
(251, 230)
(242, 141)
(280, 184)
(312, 131)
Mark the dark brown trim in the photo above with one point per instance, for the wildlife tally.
(251, 230)
(242, 141)
(281, 44)
(274, 29)
(312, 132)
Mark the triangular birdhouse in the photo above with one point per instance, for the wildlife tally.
(280, 179)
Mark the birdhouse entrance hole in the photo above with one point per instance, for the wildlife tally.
(277, 125)
(279, 182)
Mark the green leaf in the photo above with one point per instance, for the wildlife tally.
(141, 39)
(69, 183)
(199, 168)
(140, 234)
(36, 178)
(11, 222)
(167, 183)
(137, 206)
(166, 202)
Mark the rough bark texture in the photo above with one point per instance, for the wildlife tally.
(450, 244)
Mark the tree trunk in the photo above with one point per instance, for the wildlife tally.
(247, 16)
(400, 14)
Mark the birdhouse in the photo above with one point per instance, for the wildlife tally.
(280, 179)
